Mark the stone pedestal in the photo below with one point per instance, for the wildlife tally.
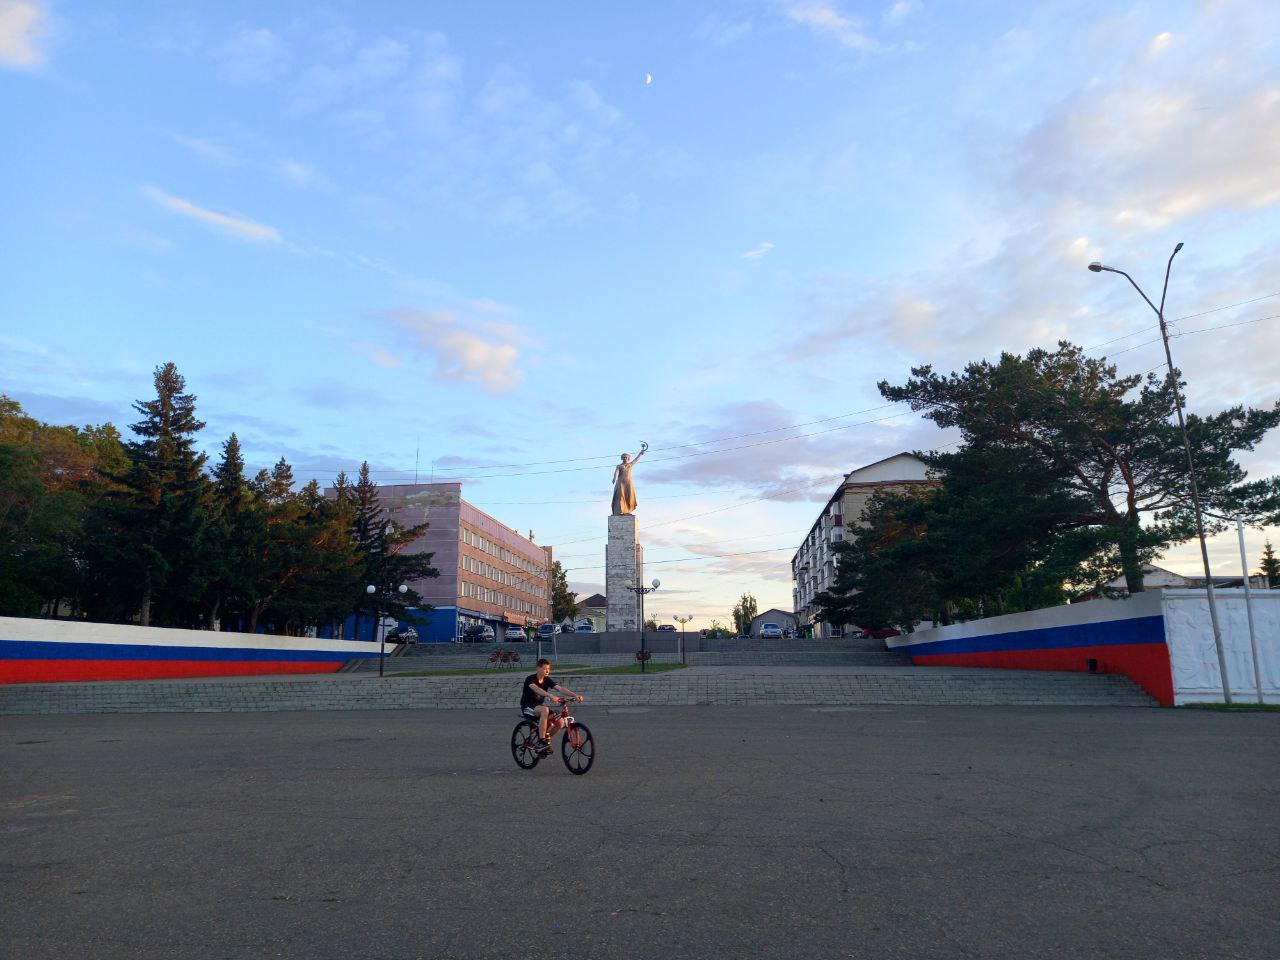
(623, 564)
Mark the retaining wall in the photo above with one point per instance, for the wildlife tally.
(42, 651)
(1162, 639)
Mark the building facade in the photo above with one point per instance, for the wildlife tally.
(813, 568)
(490, 574)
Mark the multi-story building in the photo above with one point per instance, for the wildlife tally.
(813, 568)
(490, 574)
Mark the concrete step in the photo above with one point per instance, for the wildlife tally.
(498, 691)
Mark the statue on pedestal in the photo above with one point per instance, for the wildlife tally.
(624, 491)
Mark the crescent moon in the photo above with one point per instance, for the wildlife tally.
(648, 78)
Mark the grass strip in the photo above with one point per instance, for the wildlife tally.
(475, 671)
(1235, 707)
(626, 668)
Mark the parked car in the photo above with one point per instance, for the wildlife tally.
(514, 633)
(663, 627)
(402, 635)
(770, 631)
(585, 628)
(478, 634)
(546, 631)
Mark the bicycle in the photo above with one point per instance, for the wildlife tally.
(577, 747)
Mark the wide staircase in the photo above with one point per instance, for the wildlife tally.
(734, 652)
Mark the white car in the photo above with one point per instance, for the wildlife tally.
(770, 631)
(514, 633)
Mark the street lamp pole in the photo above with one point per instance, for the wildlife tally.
(372, 591)
(682, 620)
(640, 590)
(1098, 267)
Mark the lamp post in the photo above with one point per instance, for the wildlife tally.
(682, 620)
(372, 591)
(640, 590)
(1098, 267)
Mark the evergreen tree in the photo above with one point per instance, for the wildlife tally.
(1109, 442)
(147, 539)
(1270, 566)
(235, 539)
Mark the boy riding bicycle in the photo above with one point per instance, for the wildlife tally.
(539, 687)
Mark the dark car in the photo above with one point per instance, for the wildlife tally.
(546, 631)
(478, 634)
(665, 626)
(402, 635)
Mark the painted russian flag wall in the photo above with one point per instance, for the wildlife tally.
(1162, 639)
(45, 651)
(1123, 636)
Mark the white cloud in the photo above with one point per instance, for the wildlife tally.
(899, 11)
(1158, 45)
(24, 25)
(721, 32)
(210, 150)
(471, 351)
(759, 251)
(297, 172)
(254, 55)
(825, 17)
(238, 227)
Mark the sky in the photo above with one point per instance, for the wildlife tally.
(504, 242)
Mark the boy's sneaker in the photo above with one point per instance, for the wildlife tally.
(544, 746)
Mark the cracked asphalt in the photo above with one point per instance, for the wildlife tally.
(842, 832)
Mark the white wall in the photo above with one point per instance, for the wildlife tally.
(74, 631)
(1194, 657)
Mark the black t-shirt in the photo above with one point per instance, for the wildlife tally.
(527, 697)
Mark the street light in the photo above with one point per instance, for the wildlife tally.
(1098, 267)
(682, 620)
(640, 591)
(372, 591)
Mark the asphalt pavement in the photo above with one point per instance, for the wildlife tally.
(841, 832)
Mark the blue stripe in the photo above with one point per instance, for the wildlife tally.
(56, 650)
(1108, 633)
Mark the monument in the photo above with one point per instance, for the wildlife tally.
(623, 557)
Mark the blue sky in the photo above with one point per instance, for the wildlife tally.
(476, 234)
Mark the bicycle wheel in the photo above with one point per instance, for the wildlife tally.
(578, 749)
(522, 744)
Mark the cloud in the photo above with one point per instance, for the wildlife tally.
(235, 226)
(210, 150)
(297, 172)
(1159, 43)
(721, 32)
(471, 351)
(824, 17)
(254, 55)
(758, 252)
(24, 25)
(899, 11)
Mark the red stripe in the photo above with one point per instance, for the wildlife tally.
(1147, 664)
(54, 671)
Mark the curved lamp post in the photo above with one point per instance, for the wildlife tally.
(682, 619)
(640, 590)
(372, 591)
(1098, 267)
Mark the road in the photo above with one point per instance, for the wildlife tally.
(864, 832)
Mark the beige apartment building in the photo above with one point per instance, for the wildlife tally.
(813, 568)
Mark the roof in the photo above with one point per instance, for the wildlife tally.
(595, 600)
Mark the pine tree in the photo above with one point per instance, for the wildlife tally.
(1270, 566)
